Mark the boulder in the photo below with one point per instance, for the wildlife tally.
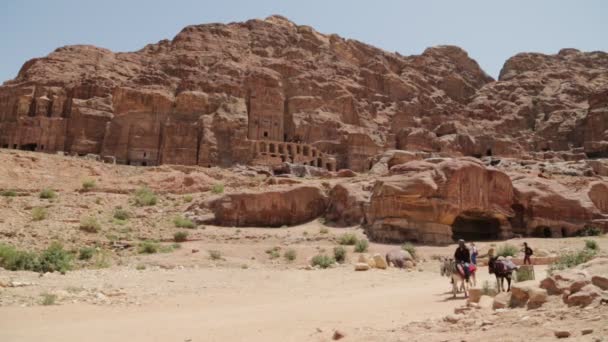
(562, 334)
(528, 293)
(425, 206)
(361, 266)
(409, 264)
(347, 204)
(475, 295)
(571, 280)
(273, 208)
(398, 258)
(502, 300)
(346, 173)
(600, 281)
(537, 298)
(380, 262)
(584, 296)
(486, 302)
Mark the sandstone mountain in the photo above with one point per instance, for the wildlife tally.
(270, 91)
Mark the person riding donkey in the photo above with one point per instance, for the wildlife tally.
(462, 256)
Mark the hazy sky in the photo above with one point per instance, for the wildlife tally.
(491, 31)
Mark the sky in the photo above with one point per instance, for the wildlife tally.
(490, 31)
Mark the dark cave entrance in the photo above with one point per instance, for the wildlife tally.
(475, 227)
(29, 147)
(542, 231)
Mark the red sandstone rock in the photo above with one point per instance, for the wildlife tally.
(272, 208)
(428, 206)
(347, 204)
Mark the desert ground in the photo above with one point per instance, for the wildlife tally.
(225, 283)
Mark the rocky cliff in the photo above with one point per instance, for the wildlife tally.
(206, 96)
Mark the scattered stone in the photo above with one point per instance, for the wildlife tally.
(586, 331)
(583, 297)
(194, 250)
(600, 281)
(338, 335)
(452, 318)
(361, 266)
(380, 262)
(562, 334)
(474, 295)
(502, 300)
(485, 302)
(20, 284)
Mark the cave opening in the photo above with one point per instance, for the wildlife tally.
(29, 147)
(543, 231)
(475, 227)
(489, 152)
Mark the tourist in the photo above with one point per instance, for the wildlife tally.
(527, 254)
(462, 256)
(474, 253)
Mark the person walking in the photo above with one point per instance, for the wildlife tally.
(528, 252)
(474, 252)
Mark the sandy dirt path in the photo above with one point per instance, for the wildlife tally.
(242, 305)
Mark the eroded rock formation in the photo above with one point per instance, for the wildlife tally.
(209, 95)
(453, 197)
(273, 208)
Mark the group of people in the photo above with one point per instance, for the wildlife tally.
(466, 256)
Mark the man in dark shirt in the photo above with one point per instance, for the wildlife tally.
(462, 256)
(527, 254)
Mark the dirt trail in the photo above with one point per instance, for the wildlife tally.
(243, 305)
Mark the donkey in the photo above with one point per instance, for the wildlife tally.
(449, 269)
(502, 271)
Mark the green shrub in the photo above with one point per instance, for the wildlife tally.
(507, 250)
(180, 236)
(140, 267)
(88, 184)
(102, 259)
(592, 245)
(361, 246)
(218, 188)
(487, 290)
(145, 197)
(274, 252)
(48, 299)
(86, 253)
(89, 224)
(322, 260)
(215, 255)
(340, 254)
(410, 248)
(187, 198)
(290, 255)
(524, 274)
(347, 239)
(39, 214)
(47, 194)
(323, 230)
(54, 258)
(571, 259)
(15, 260)
(183, 222)
(121, 214)
(8, 193)
(590, 231)
(148, 247)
